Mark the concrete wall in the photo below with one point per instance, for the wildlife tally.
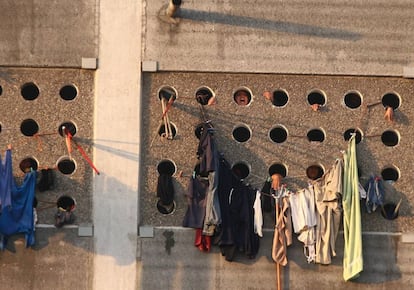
(47, 147)
(48, 33)
(260, 116)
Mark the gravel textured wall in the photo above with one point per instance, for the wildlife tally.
(349, 103)
(49, 98)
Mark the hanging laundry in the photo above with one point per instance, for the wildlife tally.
(282, 237)
(304, 220)
(46, 180)
(328, 193)
(353, 259)
(20, 218)
(375, 194)
(258, 215)
(165, 193)
(6, 181)
(209, 163)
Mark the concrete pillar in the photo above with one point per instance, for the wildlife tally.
(117, 145)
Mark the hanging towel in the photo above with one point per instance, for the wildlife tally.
(353, 260)
(6, 180)
(19, 218)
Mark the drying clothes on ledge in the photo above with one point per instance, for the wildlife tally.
(353, 259)
(209, 164)
(282, 237)
(375, 194)
(20, 218)
(6, 180)
(165, 192)
(327, 191)
(304, 219)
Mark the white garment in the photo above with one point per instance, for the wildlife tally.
(258, 215)
(304, 220)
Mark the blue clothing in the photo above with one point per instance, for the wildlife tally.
(375, 194)
(6, 180)
(19, 218)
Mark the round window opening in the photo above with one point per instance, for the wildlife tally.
(29, 127)
(353, 100)
(316, 135)
(28, 164)
(278, 134)
(390, 174)
(68, 92)
(241, 133)
(280, 98)
(315, 171)
(204, 96)
(358, 135)
(391, 100)
(67, 127)
(278, 168)
(242, 97)
(66, 165)
(167, 93)
(390, 138)
(29, 91)
(241, 170)
(166, 167)
(316, 97)
(162, 130)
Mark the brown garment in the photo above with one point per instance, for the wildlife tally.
(282, 237)
(327, 192)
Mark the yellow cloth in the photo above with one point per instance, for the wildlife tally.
(353, 260)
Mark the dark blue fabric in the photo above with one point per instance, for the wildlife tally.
(19, 218)
(6, 180)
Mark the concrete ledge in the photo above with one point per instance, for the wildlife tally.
(146, 232)
(407, 238)
(89, 63)
(149, 66)
(408, 72)
(85, 230)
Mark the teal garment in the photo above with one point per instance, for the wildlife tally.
(353, 260)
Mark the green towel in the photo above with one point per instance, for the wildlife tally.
(353, 260)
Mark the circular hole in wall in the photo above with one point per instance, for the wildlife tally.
(280, 98)
(316, 135)
(66, 203)
(392, 100)
(348, 133)
(278, 134)
(242, 96)
(390, 173)
(315, 171)
(353, 99)
(29, 127)
(241, 169)
(29, 91)
(28, 163)
(390, 138)
(317, 97)
(241, 133)
(68, 92)
(66, 165)
(198, 130)
(278, 168)
(69, 126)
(167, 92)
(204, 95)
(1, 90)
(0, 127)
(161, 130)
(166, 167)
